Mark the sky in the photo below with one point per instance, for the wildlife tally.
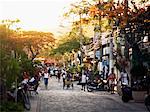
(41, 15)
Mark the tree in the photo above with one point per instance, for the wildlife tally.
(67, 44)
(9, 65)
(10, 57)
(78, 13)
(34, 42)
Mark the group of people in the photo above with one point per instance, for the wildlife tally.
(124, 79)
(39, 73)
(49, 71)
(32, 81)
(46, 72)
(66, 76)
(111, 79)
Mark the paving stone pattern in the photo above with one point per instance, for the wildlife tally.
(55, 99)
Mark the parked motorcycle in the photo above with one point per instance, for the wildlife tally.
(126, 93)
(33, 85)
(19, 94)
(99, 85)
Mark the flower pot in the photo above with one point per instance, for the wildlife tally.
(139, 96)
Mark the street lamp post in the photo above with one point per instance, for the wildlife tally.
(100, 42)
(111, 46)
(111, 65)
(97, 34)
(81, 43)
(96, 42)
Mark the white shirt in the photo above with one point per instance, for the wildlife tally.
(32, 79)
(64, 76)
(124, 78)
(52, 72)
(46, 75)
(48, 68)
(83, 79)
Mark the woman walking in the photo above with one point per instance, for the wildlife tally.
(46, 77)
(111, 78)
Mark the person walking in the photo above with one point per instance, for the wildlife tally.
(111, 81)
(56, 72)
(59, 75)
(124, 78)
(64, 77)
(83, 81)
(46, 77)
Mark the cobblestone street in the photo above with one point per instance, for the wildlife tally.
(55, 99)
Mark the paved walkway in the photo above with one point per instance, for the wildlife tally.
(55, 99)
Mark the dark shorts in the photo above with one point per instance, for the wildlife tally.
(83, 84)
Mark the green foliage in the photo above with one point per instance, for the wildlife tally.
(68, 43)
(13, 71)
(73, 69)
(26, 65)
(37, 62)
(77, 7)
(13, 59)
(11, 67)
(67, 46)
(11, 107)
(79, 68)
(36, 42)
(143, 1)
